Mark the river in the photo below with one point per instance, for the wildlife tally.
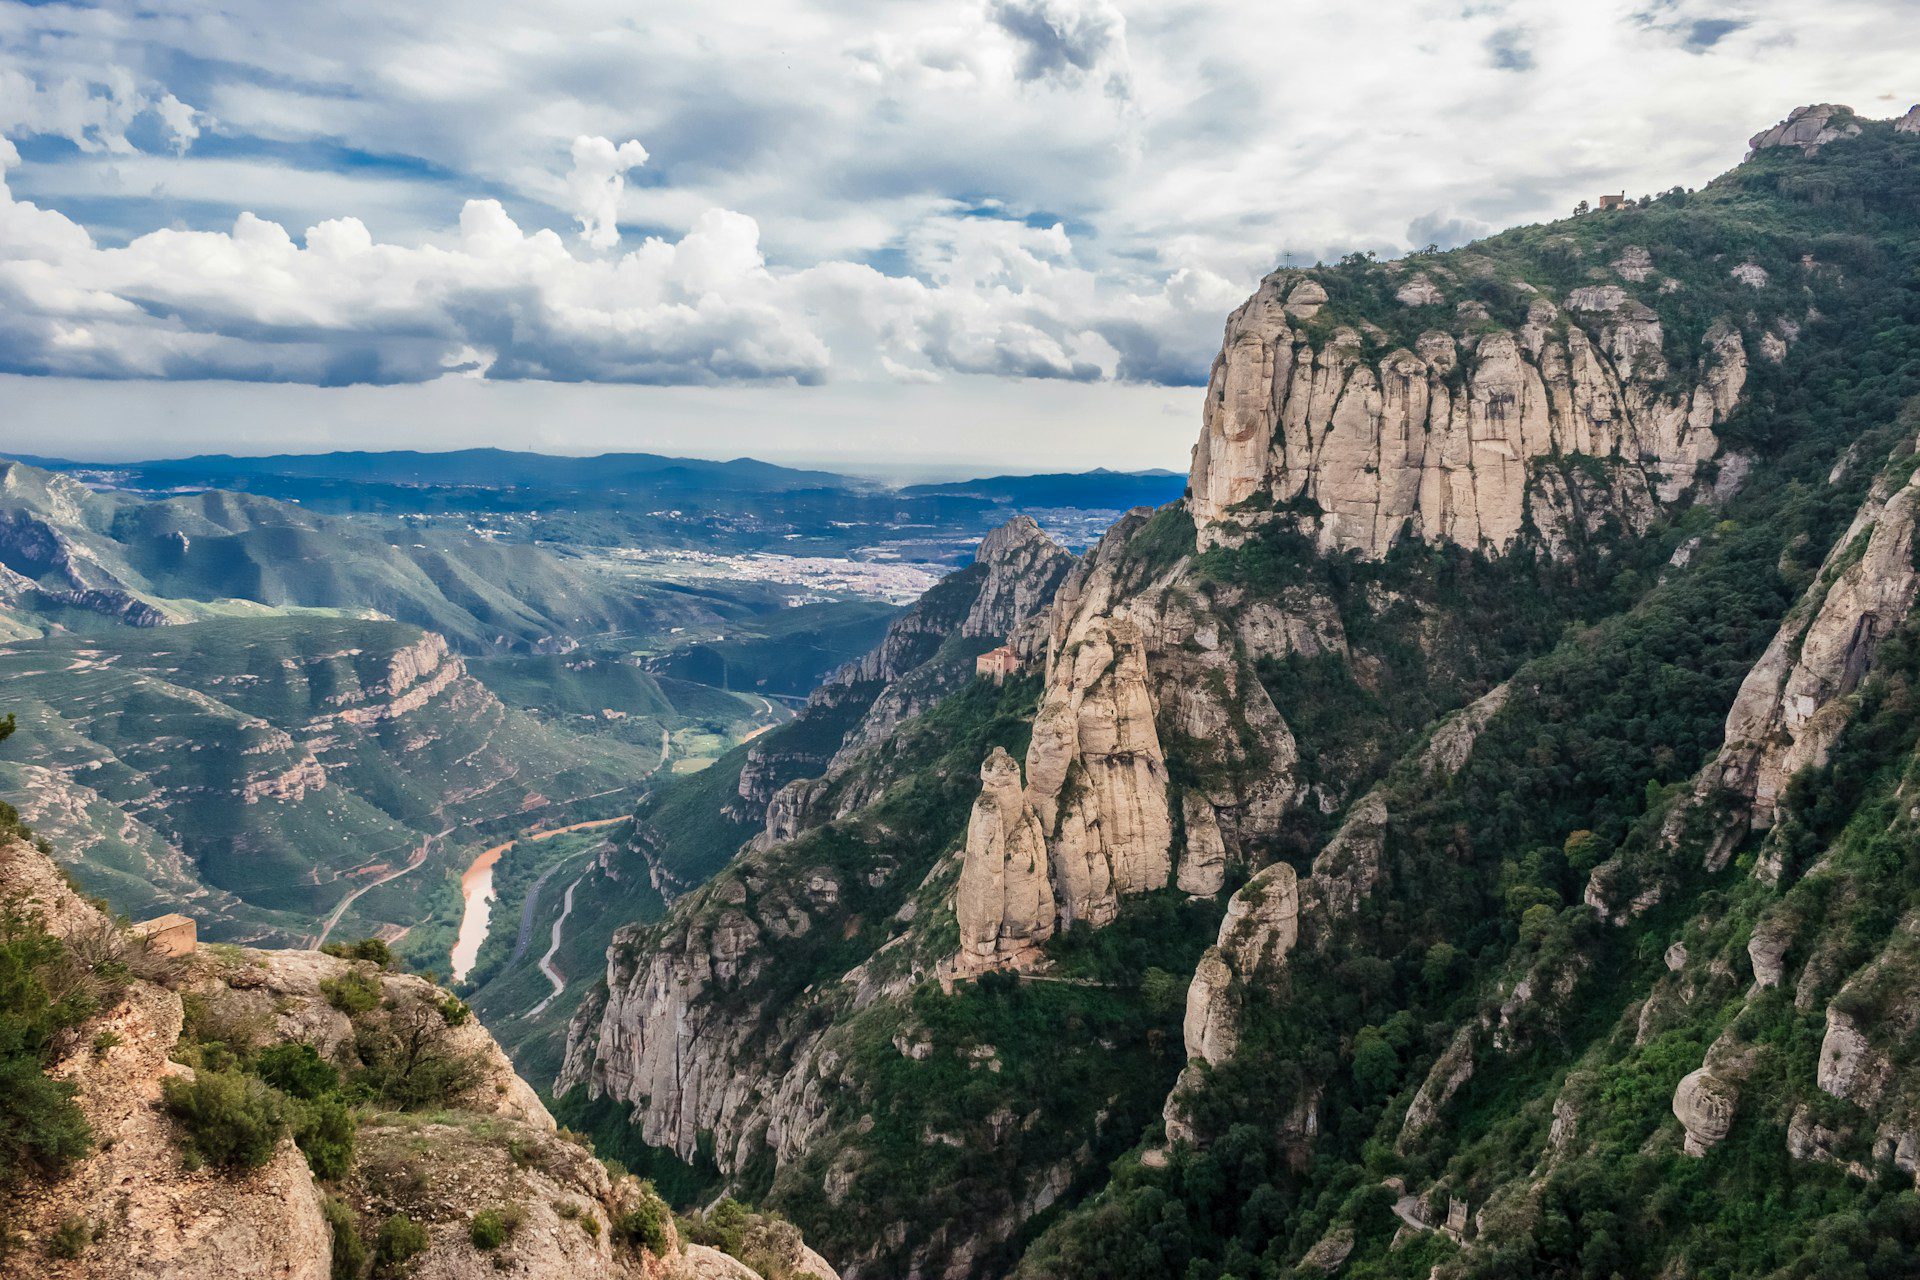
(476, 893)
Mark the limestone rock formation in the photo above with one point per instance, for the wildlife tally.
(1349, 867)
(1704, 1104)
(1015, 571)
(151, 1217)
(1452, 742)
(1792, 705)
(1005, 900)
(1378, 444)
(1808, 128)
(1096, 727)
(1448, 1073)
(1023, 568)
(1203, 862)
(1210, 1025)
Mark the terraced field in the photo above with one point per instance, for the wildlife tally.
(264, 769)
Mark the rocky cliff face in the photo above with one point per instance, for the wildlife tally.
(151, 1214)
(1479, 552)
(926, 653)
(1441, 441)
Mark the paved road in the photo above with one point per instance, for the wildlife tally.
(419, 856)
(531, 906)
(546, 961)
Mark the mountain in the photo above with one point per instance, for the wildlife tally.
(1098, 489)
(1469, 835)
(201, 1110)
(647, 499)
(793, 776)
(484, 468)
(275, 775)
(67, 552)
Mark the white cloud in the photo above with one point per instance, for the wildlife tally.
(1005, 188)
(599, 176)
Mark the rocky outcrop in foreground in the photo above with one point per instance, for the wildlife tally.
(151, 1212)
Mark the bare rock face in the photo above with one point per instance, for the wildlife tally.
(1704, 1103)
(1452, 742)
(1381, 444)
(1449, 1072)
(1908, 123)
(1262, 923)
(1023, 568)
(1792, 705)
(1808, 128)
(1096, 722)
(1634, 263)
(1005, 900)
(1203, 863)
(1211, 1025)
(1767, 949)
(1348, 869)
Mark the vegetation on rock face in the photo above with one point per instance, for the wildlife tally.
(1485, 873)
(229, 1118)
(1472, 1046)
(41, 1130)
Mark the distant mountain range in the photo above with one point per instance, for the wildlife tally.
(496, 469)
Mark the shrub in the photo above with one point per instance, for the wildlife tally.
(349, 1251)
(41, 995)
(454, 1011)
(644, 1225)
(71, 1238)
(410, 1061)
(218, 1031)
(297, 1070)
(352, 993)
(491, 1227)
(325, 1131)
(40, 1127)
(230, 1119)
(365, 949)
(399, 1240)
(104, 1041)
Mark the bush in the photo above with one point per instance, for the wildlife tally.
(40, 1127)
(365, 949)
(325, 1129)
(230, 1119)
(399, 1240)
(297, 1070)
(71, 1238)
(349, 1251)
(491, 1227)
(409, 1059)
(352, 993)
(644, 1225)
(454, 1011)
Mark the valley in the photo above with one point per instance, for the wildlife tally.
(1464, 828)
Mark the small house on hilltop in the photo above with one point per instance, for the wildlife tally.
(1613, 202)
(997, 664)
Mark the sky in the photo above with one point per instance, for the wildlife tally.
(894, 236)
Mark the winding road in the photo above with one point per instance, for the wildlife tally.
(419, 856)
(546, 961)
